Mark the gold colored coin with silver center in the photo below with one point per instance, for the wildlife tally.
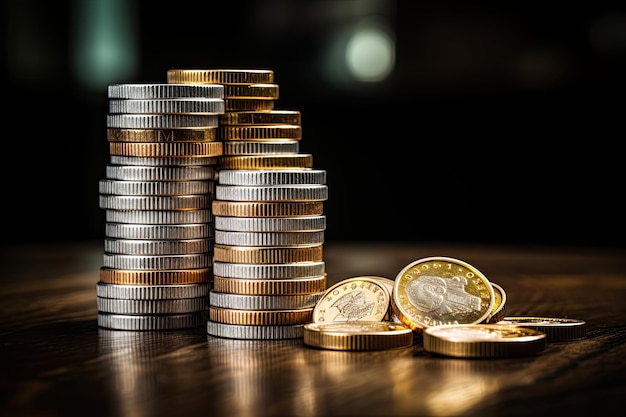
(441, 290)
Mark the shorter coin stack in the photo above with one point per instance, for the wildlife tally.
(269, 225)
(157, 195)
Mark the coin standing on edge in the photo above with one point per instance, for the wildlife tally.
(499, 305)
(441, 291)
(556, 329)
(357, 335)
(483, 340)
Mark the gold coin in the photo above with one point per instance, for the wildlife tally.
(261, 132)
(306, 285)
(258, 91)
(267, 254)
(248, 104)
(260, 317)
(206, 134)
(166, 149)
(357, 335)
(155, 277)
(441, 290)
(269, 117)
(220, 76)
(266, 208)
(267, 161)
(499, 305)
(483, 340)
(353, 299)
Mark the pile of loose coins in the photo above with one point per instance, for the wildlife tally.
(456, 310)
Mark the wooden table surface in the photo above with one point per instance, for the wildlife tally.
(55, 361)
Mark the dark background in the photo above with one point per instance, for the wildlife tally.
(500, 123)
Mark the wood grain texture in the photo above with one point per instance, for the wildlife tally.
(55, 361)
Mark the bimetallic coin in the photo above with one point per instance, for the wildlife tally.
(353, 299)
(254, 332)
(482, 340)
(499, 305)
(556, 329)
(357, 335)
(152, 322)
(441, 290)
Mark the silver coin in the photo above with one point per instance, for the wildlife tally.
(269, 271)
(145, 307)
(281, 192)
(264, 302)
(152, 322)
(161, 217)
(271, 224)
(267, 238)
(160, 173)
(165, 90)
(161, 121)
(164, 161)
(156, 188)
(272, 177)
(254, 332)
(158, 246)
(195, 105)
(251, 147)
(133, 202)
(151, 292)
(159, 231)
(145, 262)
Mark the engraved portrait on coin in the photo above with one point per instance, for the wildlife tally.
(442, 295)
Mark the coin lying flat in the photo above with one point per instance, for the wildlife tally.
(483, 340)
(353, 299)
(556, 329)
(441, 290)
(357, 335)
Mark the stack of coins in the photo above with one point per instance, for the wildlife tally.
(269, 271)
(157, 194)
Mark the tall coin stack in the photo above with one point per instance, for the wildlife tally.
(268, 211)
(157, 194)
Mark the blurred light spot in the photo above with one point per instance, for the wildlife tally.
(106, 42)
(370, 54)
(608, 33)
(540, 68)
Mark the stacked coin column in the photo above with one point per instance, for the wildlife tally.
(268, 266)
(157, 195)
